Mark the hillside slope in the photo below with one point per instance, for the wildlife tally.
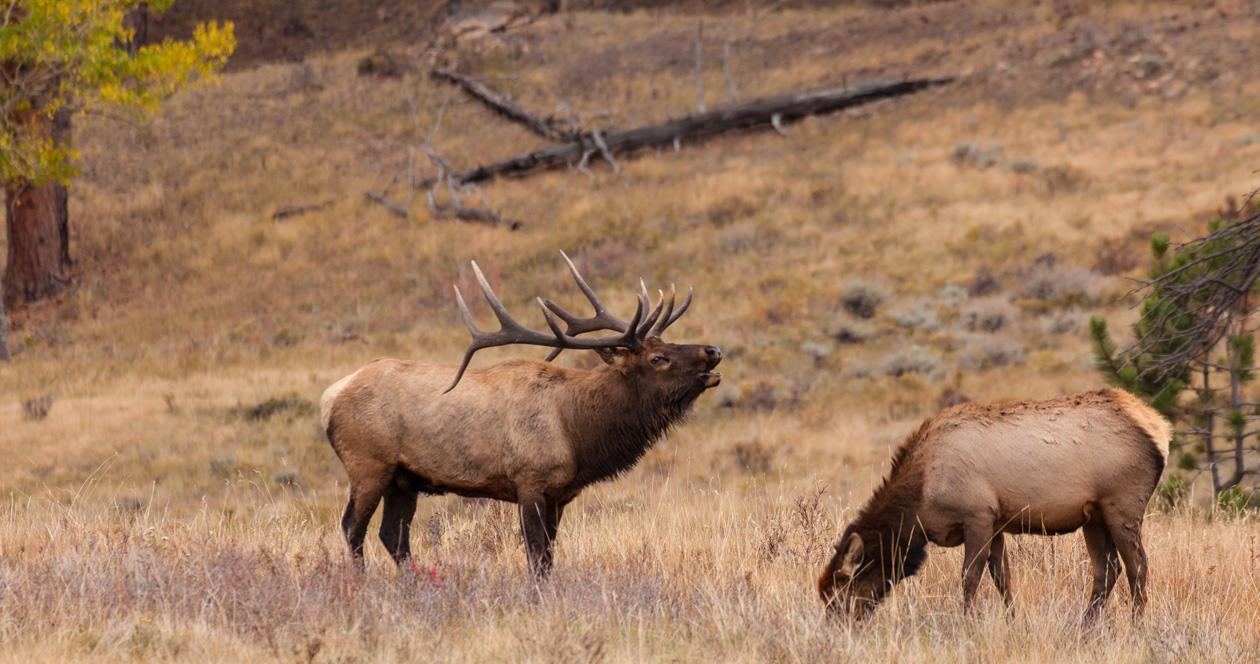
(179, 499)
(990, 217)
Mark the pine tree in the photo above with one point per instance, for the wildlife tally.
(1194, 352)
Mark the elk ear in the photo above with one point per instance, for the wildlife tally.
(616, 357)
(851, 556)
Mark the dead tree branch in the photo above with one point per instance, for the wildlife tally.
(726, 68)
(545, 127)
(392, 206)
(755, 114)
(294, 210)
(1205, 305)
(699, 80)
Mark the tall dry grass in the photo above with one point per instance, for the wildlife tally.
(658, 572)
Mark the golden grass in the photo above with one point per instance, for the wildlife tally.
(655, 570)
(193, 307)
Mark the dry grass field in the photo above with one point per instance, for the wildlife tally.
(179, 501)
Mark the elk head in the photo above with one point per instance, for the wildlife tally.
(675, 372)
(851, 585)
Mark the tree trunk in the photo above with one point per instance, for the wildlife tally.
(137, 21)
(1209, 444)
(4, 333)
(61, 193)
(35, 269)
(39, 242)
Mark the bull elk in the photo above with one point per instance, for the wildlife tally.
(522, 431)
(975, 473)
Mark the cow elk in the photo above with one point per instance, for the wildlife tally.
(975, 473)
(523, 431)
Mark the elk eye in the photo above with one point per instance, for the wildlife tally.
(659, 361)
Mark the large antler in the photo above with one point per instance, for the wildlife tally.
(653, 326)
(512, 332)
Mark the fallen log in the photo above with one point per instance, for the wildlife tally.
(544, 127)
(768, 112)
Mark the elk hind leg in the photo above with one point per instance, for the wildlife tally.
(1125, 526)
(365, 495)
(1102, 552)
(400, 507)
(1000, 567)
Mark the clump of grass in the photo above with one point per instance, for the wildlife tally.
(909, 360)
(288, 478)
(753, 455)
(920, 319)
(1063, 322)
(222, 466)
(862, 298)
(983, 283)
(36, 408)
(848, 332)
(971, 154)
(1023, 166)
(292, 403)
(1060, 284)
(767, 394)
(988, 315)
(953, 295)
(819, 351)
(991, 352)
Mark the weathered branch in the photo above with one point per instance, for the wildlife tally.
(699, 61)
(393, 207)
(1209, 299)
(544, 127)
(755, 114)
(726, 68)
(295, 210)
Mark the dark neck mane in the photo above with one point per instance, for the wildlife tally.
(888, 523)
(613, 425)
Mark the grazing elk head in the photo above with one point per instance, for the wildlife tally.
(852, 585)
(673, 373)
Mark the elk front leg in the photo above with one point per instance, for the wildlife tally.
(400, 508)
(534, 528)
(977, 543)
(1000, 568)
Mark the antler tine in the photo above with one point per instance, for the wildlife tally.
(472, 348)
(575, 325)
(601, 312)
(682, 309)
(500, 312)
(650, 321)
(664, 319)
(512, 332)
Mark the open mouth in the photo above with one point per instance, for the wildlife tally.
(711, 378)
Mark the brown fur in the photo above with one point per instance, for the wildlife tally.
(522, 431)
(975, 472)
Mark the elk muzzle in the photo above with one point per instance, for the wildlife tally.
(712, 356)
